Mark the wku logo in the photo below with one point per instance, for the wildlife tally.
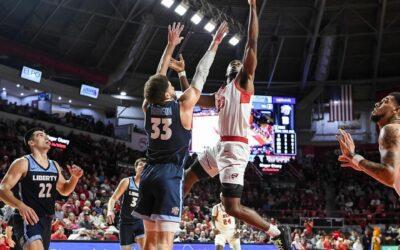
(220, 98)
(235, 175)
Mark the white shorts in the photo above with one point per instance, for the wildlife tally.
(223, 238)
(228, 159)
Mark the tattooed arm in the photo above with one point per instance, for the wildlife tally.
(389, 147)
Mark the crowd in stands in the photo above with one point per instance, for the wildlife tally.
(287, 198)
(81, 122)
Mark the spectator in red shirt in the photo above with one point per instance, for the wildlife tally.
(327, 243)
(308, 225)
(3, 243)
(59, 234)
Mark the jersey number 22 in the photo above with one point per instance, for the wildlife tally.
(45, 190)
(166, 131)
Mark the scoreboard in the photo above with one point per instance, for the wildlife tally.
(272, 137)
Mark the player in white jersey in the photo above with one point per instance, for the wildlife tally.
(226, 228)
(230, 156)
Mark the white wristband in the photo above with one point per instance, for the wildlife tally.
(183, 73)
(357, 159)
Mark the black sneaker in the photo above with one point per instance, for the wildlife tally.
(282, 242)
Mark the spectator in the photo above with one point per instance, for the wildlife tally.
(59, 234)
(86, 223)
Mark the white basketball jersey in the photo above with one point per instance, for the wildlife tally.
(224, 222)
(234, 107)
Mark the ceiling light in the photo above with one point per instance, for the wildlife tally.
(22, 94)
(167, 3)
(18, 85)
(59, 98)
(196, 18)
(181, 9)
(70, 101)
(234, 40)
(210, 26)
(123, 93)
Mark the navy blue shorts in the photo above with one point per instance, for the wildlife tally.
(129, 232)
(26, 233)
(160, 193)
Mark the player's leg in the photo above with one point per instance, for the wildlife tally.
(165, 234)
(234, 243)
(232, 162)
(126, 236)
(34, 245)
(27, 237)
(234, 208)
(140, 241)
(145, 206)
(138, 233)
(150, 230)
(168, 203)
(204, 167)
(219, 241)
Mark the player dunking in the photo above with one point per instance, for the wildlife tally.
(230, 156)
(226, 228)
(130, 228)
(39, 179)
(386, 115)
(168, 124)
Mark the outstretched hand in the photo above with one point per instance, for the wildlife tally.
(75, 171)
(348, 150)
(223, 29)
(174, 33)
(177, 66)
(346, 143)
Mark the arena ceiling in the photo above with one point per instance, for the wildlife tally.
(303, 43)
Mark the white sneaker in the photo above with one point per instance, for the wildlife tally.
(273, 231)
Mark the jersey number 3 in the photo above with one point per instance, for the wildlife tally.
(166, 131)
(45, 190)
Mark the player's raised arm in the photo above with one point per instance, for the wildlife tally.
(179, 67)
(174, 39)
(205, 101)
(192, 94)
(122, 187)
(247, 73)
(66, 187)
(383, 172)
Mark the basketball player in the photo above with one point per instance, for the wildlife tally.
(226, 228)
(168, 124)
(387, 116)
(130, 228)
(39, 180)
(230, 156)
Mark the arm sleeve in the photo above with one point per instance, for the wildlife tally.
(202, 70)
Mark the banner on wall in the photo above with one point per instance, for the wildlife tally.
(83, 245)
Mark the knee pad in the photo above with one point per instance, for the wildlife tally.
(231, 190)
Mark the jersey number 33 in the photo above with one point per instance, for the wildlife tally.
(165, 133)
